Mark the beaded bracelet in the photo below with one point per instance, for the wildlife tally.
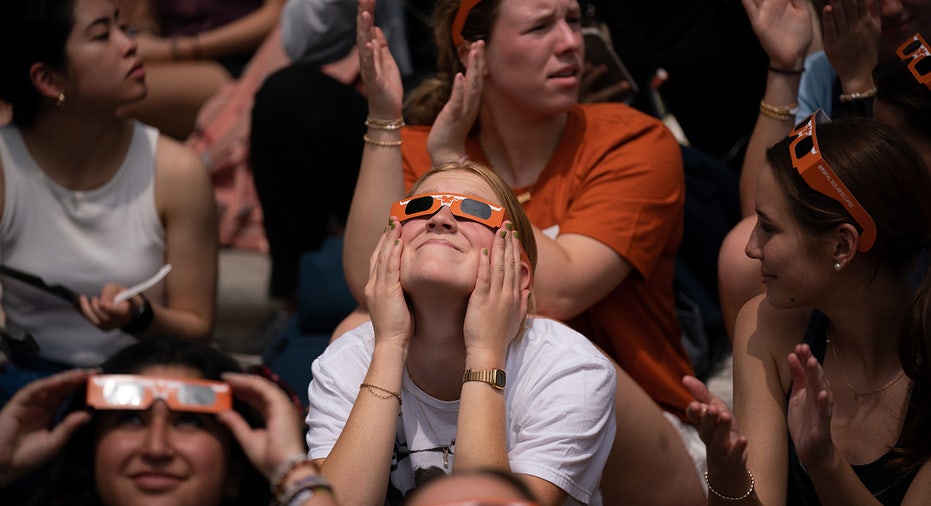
(727, 497)
(302, 490)
(777, 112)
(860, 95)
(280, 477)
(384, 144)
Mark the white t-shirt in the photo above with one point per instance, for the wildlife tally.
(559, 400)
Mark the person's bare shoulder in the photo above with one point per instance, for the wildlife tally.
(770, 333)
(181, 178)
(173, 158)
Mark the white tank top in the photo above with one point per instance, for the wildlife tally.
(80, 239)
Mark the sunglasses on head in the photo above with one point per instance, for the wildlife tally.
(132, 392)
(915, 51)
(462, 206)
(807, 160)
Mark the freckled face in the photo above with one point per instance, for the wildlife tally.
(792, 267)
(443, 250)
(535, 53)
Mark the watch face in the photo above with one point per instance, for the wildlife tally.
(499, 378)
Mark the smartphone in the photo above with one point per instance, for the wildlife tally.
(598, 51)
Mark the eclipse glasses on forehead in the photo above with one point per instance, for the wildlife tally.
(132, 392)
(462, 206)
(807, 160)
(916, 51)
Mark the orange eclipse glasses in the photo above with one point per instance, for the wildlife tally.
(807, 159)
(916, 50)
(133, 392)
(462, 206)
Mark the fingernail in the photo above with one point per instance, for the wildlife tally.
(509, 226)
(516, 234)
(396, 241)
(485, 251)
(504, 233)
(392, 225)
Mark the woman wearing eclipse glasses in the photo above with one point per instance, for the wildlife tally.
(451, 374)
(831, 364)
(602, 185)
(167, 421)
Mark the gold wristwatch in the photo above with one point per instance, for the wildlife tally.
(494, 377)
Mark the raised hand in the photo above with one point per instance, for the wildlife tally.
(851, 41)
(810, 407)
(447, 139)
(499, 300)
(281, 439)
(380, 75)
(26, 442)
(784, 28)
(726, 449)
(391, 316)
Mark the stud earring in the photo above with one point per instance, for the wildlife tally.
(60, 103)
(838, 266)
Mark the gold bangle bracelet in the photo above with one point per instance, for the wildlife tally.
(384, 144)
(380, 124)
(860, 95)
(778, 112)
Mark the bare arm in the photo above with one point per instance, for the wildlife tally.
(381, 178)
(185, 202)
(760, 385)
(365, 445)
(785, 30)
(573, 273)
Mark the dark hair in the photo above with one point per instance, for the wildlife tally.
(896, 86)
(73, 473)
(425, 102)
(889, 179)
(884, 173)
(31, 31)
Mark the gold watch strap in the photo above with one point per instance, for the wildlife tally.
(494, 377)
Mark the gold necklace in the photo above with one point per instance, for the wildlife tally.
(446, 449)
(840, 365)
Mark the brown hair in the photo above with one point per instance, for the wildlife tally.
(888, 177)
(425, 102)
(512, 208)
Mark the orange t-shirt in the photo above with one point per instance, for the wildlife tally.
(616, 176)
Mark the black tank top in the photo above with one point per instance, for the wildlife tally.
(882, 481)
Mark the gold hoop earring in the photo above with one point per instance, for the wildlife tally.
(60, 103)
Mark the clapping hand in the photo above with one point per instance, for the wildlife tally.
(810, 407)
(447, 139)
(725, 447)
(380, 74)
